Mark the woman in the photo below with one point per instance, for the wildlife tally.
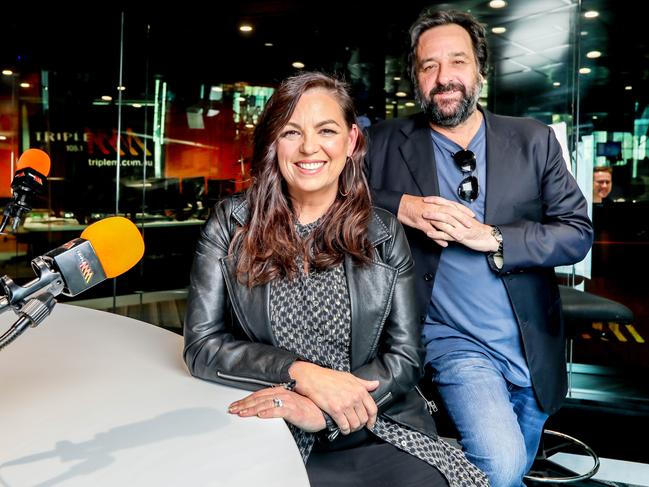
(303, 292)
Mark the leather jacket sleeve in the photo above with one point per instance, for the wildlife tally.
(216, 347)
(397, 364)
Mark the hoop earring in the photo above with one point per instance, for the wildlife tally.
(349, 160)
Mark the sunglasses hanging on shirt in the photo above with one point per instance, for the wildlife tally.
(468, 189)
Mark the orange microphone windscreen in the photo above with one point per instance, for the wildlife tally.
(36, 159)
(117, 243)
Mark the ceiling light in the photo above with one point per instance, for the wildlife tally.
(584, 70)
(499, 30)
(593, 54)
(7, 72)
(136, 105)
(397, 78)
(556, 83)
(217, 88)
(595, 117)
(268, 44)
(401, 94)
(584, 33)
(410, 103)
(245, 28)
(121, 88)
(591, 14)
(298, 65)
(25, 85)
(3, 137)
(628, 88)
(497, 3)
(107, 98)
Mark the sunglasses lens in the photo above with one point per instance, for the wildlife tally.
(468, 189)
(465, 160)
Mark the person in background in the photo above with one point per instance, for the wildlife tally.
(602, 184)
(303, 292)
(489, 209)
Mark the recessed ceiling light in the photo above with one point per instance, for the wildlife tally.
(121, 88)
(593, 54)
(595, 117)
(410, 103)
(397, 78)
(401, 94)
(298, 64)
(245, 28)
(499, 30)
(7, 72)
(584, 70)
(497, 3)
(268, 44)
(556, 83)
(250, 125)
(136, 105)
(25, 85)
(591, 14)
(107, 98)
(628, 88)
(584, 33)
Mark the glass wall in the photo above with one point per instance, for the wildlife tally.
(149, 114)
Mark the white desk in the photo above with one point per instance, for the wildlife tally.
(92, 398)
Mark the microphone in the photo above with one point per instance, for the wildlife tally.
(106, 249)
(29, 180)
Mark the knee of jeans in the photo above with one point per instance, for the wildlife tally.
(506, 468)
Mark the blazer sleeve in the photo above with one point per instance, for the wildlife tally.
(383, 198)
(565, 233)
(216, 348)
(398, 364)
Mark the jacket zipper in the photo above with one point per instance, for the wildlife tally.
(383, 400)
(286, 385)
(430, 404)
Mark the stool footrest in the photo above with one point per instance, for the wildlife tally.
(570, 478)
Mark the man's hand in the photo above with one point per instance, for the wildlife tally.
(446, 228)
(421, 213)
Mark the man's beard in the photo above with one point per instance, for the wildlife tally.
(463, 110)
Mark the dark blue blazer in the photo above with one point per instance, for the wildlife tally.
(530, 196)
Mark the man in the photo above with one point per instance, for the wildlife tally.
(602, 184)
(489, 209)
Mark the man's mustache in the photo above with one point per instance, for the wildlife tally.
(446, 88)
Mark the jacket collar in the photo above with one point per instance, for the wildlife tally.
(418, 153)
(377, 230)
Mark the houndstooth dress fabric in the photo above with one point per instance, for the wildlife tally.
(311, 316)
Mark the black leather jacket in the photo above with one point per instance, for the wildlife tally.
(228, 337)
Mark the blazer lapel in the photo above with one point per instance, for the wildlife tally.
(418, 154)
(500, 151)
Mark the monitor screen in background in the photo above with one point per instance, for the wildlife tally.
(609, 149)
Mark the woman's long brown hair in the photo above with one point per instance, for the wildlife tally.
(267, 246)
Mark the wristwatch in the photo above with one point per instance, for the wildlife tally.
(496, 260)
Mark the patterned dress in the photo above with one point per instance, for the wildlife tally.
(311, 316)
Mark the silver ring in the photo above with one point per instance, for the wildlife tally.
(277, 402)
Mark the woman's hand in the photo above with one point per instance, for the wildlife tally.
(342, 395)
(276, 402)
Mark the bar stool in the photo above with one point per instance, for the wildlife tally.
(580, 309)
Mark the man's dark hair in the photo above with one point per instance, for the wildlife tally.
(431, 18)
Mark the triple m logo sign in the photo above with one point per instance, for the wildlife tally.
(96, 142)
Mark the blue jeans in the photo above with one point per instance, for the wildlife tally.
(500, 424)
